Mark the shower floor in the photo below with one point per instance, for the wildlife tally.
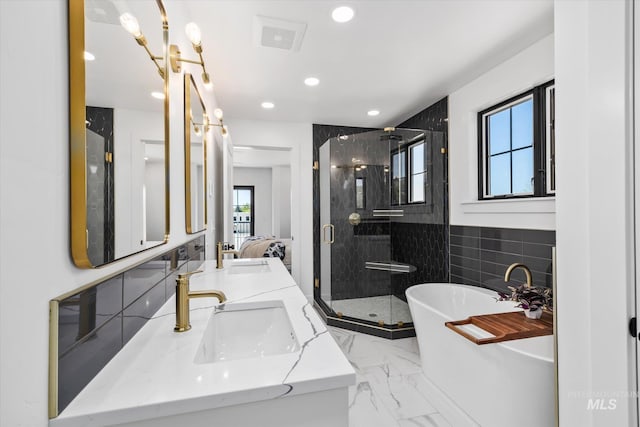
(389, 309)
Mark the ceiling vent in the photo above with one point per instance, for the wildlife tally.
(278, 33)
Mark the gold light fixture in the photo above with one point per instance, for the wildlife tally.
(218, 113)
(130, 23)
(195, 37)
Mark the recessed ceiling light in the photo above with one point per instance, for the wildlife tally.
(88, 56)
(242, 147)
(311, 81)
(342, 14)
(373, 112)
(157, 95)
(268, 105)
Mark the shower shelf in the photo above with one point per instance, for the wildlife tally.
(392, 266)
(503, 327)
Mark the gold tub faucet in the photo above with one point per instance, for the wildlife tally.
(182, 300)
(220, 252)
(527, 272)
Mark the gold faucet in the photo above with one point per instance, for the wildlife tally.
(182, 300)
(221, 253)
(527, 272)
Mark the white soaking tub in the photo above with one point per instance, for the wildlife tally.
(503, 384)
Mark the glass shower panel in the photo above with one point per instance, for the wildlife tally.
(371, 236)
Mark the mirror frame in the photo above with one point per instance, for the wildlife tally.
(77, 134)
(189, 83)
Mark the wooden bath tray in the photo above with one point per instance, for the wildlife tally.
(505, 326)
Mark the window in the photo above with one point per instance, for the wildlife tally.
(514, 139)
(243, 213)
(360, 193)
(399, 178)
(418, 171)
(409, 181)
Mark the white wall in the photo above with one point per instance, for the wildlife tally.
(298, 137)
(260, 179)
(281, 184)
(594, 211)
(527, 69)
(35, 262)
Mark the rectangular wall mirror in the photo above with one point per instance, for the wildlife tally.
(119, 129)
(196, 126)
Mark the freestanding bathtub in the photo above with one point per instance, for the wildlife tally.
(504, 384)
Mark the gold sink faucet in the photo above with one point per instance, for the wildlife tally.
(527, 272)
(182, 300)
(221, 253)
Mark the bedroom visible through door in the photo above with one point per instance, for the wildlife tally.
(243, 213)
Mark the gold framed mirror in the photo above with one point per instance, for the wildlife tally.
(196, 127)
(119, 129)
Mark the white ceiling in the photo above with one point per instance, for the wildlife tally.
(395, 56)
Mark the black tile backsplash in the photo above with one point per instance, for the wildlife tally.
(481, 255)
(94, 324)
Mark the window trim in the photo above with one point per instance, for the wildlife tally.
(410, 173)
(538, 95)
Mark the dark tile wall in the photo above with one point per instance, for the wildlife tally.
(481, 255)
(95, 324)
(100, 121)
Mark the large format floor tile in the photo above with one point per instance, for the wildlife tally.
(389, 390)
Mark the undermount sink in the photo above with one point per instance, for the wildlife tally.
(241, 266)
(247, 330)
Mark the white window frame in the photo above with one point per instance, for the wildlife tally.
(411, 174)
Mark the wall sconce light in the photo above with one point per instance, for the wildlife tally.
(195, 36)
(130, 23)
(218, 114)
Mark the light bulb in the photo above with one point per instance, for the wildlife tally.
(218, 113)
(88, 56)
(158, 95)
(193, 33)
(130, 23)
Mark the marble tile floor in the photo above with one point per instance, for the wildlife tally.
(389, 390)
(388, 308)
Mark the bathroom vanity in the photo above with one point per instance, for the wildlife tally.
(263, 358)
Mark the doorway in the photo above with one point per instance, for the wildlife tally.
(243, 213)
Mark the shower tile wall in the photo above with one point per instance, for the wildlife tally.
(420, 238)
(481, 255)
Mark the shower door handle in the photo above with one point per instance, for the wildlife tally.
(324, 233)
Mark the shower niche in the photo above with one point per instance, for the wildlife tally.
(379, 206)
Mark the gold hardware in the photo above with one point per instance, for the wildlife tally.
(354, 218)
(316, 165)
(316, 283)
(443, 150)
(221, 253)
(527, 272)
(400, 324)
(130, 23)
(324, 234)
(182, 300)
(193, 33)
(380, 322)
(108, 157)
(190, 89)
(389, 129)
(339, 314)
(53, 358)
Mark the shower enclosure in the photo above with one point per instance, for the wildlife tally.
(382, 201)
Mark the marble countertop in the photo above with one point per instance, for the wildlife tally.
(154, 375)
